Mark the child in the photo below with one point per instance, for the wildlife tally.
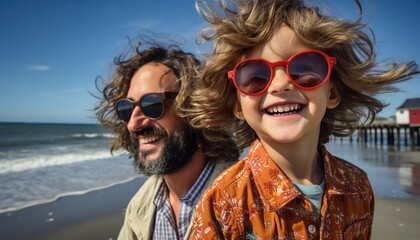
(283, 77)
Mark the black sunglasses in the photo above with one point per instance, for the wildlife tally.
(152, 105)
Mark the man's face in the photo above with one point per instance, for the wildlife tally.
(165, 145)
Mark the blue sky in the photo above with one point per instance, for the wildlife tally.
(51, 51)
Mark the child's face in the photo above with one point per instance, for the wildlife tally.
(299, 112)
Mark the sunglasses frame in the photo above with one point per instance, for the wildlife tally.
(331, 61)
(162, 95)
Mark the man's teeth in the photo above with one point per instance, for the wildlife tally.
(284, 109)
(149, 139)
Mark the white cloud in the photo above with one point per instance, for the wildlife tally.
(141, 24)
(39, 67)
(66, 92)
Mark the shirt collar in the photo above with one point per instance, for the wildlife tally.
(193, 195)
(276, 189)
(190, 197)
(161, 195)
(342, 177)
(273, 185)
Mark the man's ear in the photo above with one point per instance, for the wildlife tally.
(237, 110)
(334, 97)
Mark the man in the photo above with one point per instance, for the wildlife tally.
(140, 105)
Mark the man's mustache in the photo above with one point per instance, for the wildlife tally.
(147, 132)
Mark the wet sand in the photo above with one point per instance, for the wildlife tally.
(94, 215)
(396, 219)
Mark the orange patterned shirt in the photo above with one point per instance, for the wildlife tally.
(254, 199)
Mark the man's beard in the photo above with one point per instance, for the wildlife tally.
(176, 153)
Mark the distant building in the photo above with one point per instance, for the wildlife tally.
(409, 112)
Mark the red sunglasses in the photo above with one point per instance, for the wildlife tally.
(308, 70)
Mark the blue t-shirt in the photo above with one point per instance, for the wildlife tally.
(314, 193)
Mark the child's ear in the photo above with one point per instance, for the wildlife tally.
(237, 110)
(334, 98)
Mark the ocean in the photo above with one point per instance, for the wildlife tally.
(40, 163)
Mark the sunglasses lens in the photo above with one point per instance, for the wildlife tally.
(252, 76)
(152, 106)
(308, 70)
(124, 110)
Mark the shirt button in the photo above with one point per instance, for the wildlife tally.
(311, 229)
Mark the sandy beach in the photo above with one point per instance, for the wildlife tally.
(396, 219)
(94, 215)
(99, 215)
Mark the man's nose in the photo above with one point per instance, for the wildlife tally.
(137, 120)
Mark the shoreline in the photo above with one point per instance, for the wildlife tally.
(99, 215)
(96, 214)
(68, 194)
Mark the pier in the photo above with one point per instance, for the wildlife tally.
(391, 135)
(401, 130)
(388, 134)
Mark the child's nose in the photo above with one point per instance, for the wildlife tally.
(280, 82)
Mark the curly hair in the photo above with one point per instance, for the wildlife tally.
(236, 27)
(184, 66)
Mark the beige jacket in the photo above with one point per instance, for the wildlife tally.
(140, 213)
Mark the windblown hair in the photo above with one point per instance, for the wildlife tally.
(236, 28)
(184, 66)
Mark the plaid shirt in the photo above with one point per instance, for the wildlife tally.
(165, 227)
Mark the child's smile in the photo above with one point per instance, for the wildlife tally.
(284, 109)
